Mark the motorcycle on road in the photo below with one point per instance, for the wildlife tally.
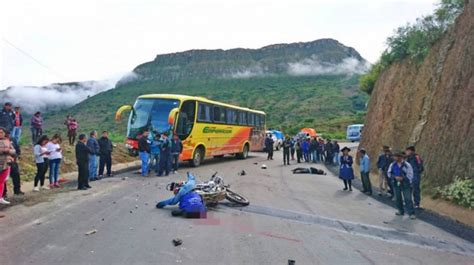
(214, 191)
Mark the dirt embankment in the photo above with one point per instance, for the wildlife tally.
(431, 105)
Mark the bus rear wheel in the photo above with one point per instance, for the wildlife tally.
(198, 156)
(245, 152)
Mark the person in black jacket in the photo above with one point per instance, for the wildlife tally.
(82, 160)
(7, 117)
(106, 147)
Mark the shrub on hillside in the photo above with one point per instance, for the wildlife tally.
(414, 40)
(461, 192)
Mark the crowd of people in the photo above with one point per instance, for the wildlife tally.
(310, 149)
(157, 152)
(399, 176)
(399, 172)
(93, 156)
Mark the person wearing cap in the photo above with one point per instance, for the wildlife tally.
(364, 166)
(7, 117)
(383, 162)
(94, 147)
(346, 173)
(416, 163)
(400, 173)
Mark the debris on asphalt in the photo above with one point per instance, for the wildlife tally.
(264, 166)
(255, 163)
(131, 211)
(131, 228)
(177, 242)
(113, 202)
(124, 178)
(38, 223)
(103, 219)
(291, 262)
(154, 229)
(146, 203)
(91, 232)
(242, 173)
(136, 206)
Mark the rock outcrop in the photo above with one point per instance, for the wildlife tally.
(429, 104)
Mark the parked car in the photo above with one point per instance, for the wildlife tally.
(354, 132)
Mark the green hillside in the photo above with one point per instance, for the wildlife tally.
(312, 84)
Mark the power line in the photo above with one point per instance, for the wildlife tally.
(33, 58)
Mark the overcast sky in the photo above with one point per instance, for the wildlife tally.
(98, 39)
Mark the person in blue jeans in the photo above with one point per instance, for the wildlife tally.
(416, 163)
(55, 157)
(94, 148)
(144, 152)
(400, 173)
(155, 153)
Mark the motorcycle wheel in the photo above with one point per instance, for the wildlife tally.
(236, 198)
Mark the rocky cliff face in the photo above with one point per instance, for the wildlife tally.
(430, 105)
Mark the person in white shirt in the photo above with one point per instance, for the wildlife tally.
(41, 159)
(55, 157)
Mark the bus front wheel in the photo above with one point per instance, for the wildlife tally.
(197, 157)
(245, 152)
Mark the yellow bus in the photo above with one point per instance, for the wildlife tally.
(206, 128)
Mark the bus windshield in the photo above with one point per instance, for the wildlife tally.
(150, 114)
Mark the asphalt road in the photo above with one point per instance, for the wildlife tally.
(306, 218)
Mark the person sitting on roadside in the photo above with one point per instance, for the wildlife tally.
(190, 203)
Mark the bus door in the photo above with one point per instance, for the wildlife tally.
(185, 124)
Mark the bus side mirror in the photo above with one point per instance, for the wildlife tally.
(172, 117)
(118, 114)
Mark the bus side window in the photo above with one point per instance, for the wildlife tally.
(251, 121)
(219, 114)
(204, 112)
(243, 118)
(257, 121)
(231, 116)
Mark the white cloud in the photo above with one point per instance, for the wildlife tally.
(254, 71)
(312, 66)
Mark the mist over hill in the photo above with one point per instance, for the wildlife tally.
(53, 97)
(319, 57)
